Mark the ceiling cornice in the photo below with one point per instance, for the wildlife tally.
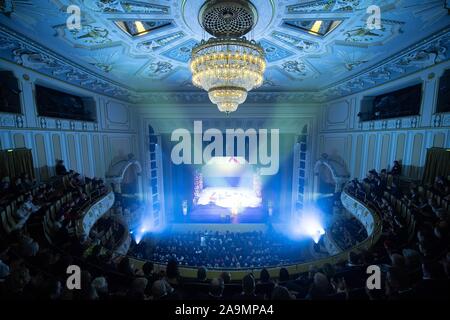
(22, 51)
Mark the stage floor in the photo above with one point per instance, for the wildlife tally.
(215, 214)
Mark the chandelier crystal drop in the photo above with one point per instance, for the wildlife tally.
(228, 65)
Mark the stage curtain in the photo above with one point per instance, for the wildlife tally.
(14, 162)
(437, 164)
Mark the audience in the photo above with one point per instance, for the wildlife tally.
(412, 267)
(218, 250)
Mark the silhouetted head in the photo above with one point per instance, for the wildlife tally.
(201, 274)
(264, 276)
(248, 284)
(284, 275)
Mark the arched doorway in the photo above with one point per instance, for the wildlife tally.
(130, 181)
(329, 177)
(326, 182)
(125, 176)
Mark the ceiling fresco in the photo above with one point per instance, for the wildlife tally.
(132, 49)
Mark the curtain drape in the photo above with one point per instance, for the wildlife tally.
(437, 164)
(15, 162)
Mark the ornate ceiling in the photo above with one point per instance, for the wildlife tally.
(136, 49)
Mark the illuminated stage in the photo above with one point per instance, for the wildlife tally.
(216, 214)
(228, 190)
(232, 198)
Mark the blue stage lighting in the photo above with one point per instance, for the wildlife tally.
(309, 224)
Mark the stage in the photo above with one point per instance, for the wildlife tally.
(215, 214)
(217, 227)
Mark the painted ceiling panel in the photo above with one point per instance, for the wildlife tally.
(310, 45)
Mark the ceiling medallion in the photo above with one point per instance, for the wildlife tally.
(228, 65)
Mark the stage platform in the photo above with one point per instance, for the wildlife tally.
(215, 214)
(220, 227)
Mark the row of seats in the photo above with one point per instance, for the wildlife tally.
(50, 218)
(404, 211)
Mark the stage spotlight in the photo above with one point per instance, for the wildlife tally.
(309, 224)
(146, 225)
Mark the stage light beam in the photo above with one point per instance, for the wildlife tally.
(309, 224)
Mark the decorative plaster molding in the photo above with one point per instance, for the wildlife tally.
(427, 53)
(27, 53)
(96, 211)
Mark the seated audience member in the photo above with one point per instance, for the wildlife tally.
(354, 271)
(434, 284)
(5, 186)
(264, 276)
(440, 186)
(27, 246)
(281, 293)
(4, 271)
(55, 289)
(17, 283)
(265, 285)
(397, 284)
(398, 261)
(396, 168)
(29, 205)
(126, 267)
(321, 287)
(283, 275)
(248, 289)
(60, 169)
(148, 271)
(202, 274)
(18, 187)
(172, 273)
(27, 182)
(446, 264)
(226, 277)
(100, 286)
(161, 290)
(383, 179)
(137, 290)
(215, 289)
(395, 191)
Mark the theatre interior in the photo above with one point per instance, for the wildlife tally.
(224, 150)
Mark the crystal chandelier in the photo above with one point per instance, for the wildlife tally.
(228, 65)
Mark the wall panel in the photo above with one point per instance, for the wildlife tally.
(358, 155)
(99, 171)
(19, 140)
(41, 157)
(56, 144)
(371, 152)
(85, 155)
(385, 147)
(439, 140)
(71, 152)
